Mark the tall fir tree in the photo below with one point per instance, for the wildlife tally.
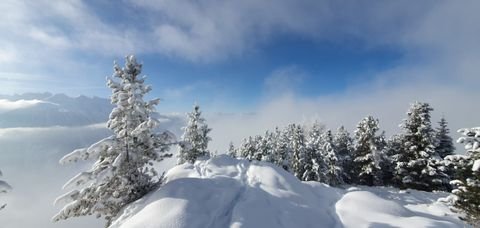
(314, 164)
(393, 150)
(195, 138)
(248, 149)
(296, 137)
(468, 187)
(281, 151)
(444, 143)
(122, 171)
(265, 147)
(418, 165)
(368, 153)
(344, 148)
(333, 172)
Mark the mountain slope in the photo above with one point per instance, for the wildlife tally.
(226, 192)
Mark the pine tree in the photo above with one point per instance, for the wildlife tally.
(195, 138)
(393, 150)
(419, 166)
(4, 188)
(468, 191)
(248, 148)
(296, 136)
(281, 151)
(122, 172)
(232, 152)
(344, 148)
(265, 147)
(333, 173)
(367, 154)
(444, 143)
(314, 163)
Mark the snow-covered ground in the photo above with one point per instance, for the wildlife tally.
(226, 192)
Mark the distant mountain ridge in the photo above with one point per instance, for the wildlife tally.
(55, 110)
(63, 110)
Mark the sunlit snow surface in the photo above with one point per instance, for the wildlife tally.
(226, 192)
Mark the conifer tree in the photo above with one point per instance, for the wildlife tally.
(333, 172)
(367, 154)
(468, 188)
(281, 151)
(296, 137)
(248, 148)
(393, 150)
(232, 152)
(265, 147)
(195, 138)
(419, 166)
(344, 148)
(314, 163)
(444, 143)
(122, 171)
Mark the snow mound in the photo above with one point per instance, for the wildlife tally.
(226, 192)
(366, 209)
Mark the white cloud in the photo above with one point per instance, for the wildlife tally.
(284, 80)
(214, 30)
(441, 66)
(7, 105)
(29, 161)
(387, 103)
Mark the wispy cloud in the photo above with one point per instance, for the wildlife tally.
(7, 105)
(284, 80)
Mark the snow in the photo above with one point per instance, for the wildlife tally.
(476, 165)
(226, 192)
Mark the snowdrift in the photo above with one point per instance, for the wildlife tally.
(226, 192)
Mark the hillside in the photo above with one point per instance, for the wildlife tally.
(226, 192)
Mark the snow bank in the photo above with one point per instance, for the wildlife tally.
(226, 192)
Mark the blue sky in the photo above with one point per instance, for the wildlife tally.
(246, 56)
(73, 44)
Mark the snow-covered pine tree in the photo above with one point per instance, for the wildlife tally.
(344, 148)
(265, 147)
(195, 138)
(232, 152)
(393, 149)
(314, 163)
(4, 188)
(122, 172)
(281, 151)
(368, 153)
(296, 137)
(333, 173)
(468, 188)
(248, 148)
(444, 143)
(418, 164)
